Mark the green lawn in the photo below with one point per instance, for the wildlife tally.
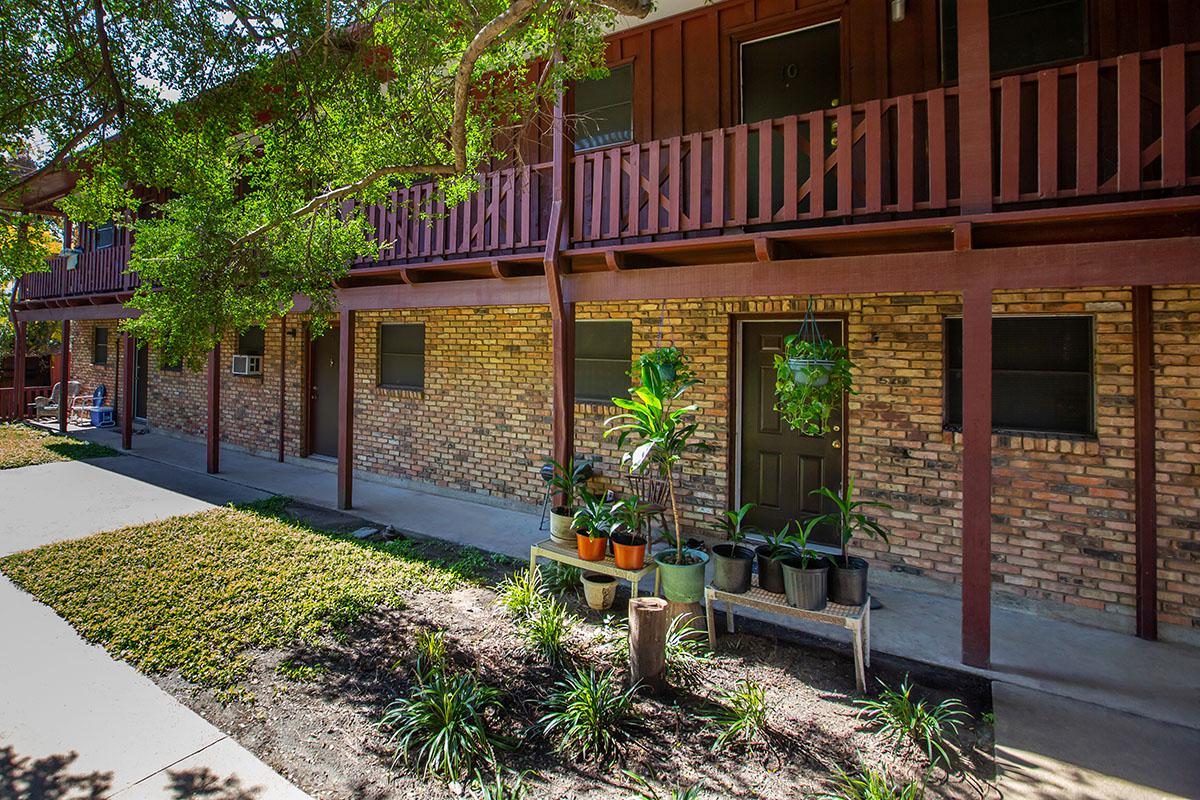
(197, 592)
(23, 446)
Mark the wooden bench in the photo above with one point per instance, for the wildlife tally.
(856, 619)
(548, 549)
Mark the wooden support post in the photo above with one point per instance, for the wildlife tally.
(1145, 476)
(345, 473)
(64, 377)
(563, 355)
(562, 313)
(283, 334)
(648, 623)
(213, 434)
(19, 370)
(977, 477)
(128, 359)
(974, 106)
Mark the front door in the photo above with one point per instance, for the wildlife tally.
(779, 467)
(323, 416)
(141, 381)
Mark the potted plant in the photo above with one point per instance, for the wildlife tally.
(811, 377)
(568, 480)
(598, 590)
(733, 563)
(670, 363)
(770, 555)
(592, 522)
(805, 572)
(848, 583)
(663, 434)
(628, 542)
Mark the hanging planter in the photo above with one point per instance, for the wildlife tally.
(669, 363)
(811, 377)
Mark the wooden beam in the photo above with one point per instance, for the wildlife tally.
(562, 313)
(213, 429)
(1145, 468)
(345, 470)
(962, 236)
(128, 359)
(64, 376)
(977, 477)
(19, 370)
(86, 311)
(974, 107)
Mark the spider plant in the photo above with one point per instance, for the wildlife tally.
(499, 787)
(593, 516)
(588, 715)
(561, 578)
(871, 784)
(522, 593)
(741, 718)
(429, 653)
(687, 652)
(546, 631)
(648, 791)
(926, 725)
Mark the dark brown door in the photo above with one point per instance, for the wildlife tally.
(324, 409)
(779, 467)
(141, 381)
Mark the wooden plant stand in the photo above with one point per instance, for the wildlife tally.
(547, 549)
(856, 619)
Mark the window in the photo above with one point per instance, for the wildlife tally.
(603, 354)
(402, 356)
(166, 364)
(100, 346)
(604, 109)
(252, 342)
(1023, 34)
(1041, 374)
(104, 236)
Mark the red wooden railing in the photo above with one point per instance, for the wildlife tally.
(8, 406)
(1113, 127)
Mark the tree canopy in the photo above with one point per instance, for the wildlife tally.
(238, 137)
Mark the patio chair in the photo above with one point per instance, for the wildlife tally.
(653, 491)
(46, 406)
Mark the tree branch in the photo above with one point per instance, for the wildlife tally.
(106, 58)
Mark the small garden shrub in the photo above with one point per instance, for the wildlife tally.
(522, 593)
(741, 719)
(648, 791)
(429, 653)
(872, 784)
(546, 632)
(500, 786)
(561, 578)
(687, 652)
(899, 717)
(588, 715)
(442, 728)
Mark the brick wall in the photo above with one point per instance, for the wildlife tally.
(89, 375)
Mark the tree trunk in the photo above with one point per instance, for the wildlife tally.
(648, 623)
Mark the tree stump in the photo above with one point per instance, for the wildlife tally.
(692, 613)
(648, 622)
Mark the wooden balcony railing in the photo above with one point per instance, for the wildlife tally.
(1119, 127)
(9, 402)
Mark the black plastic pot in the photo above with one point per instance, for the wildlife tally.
(805, 586)
(770, 571)
(848, 582)
(666, 372)
(732, 566)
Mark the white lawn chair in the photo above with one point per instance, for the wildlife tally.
(47, 406)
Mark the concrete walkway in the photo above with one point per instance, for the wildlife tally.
(73, 721)
(1048, 675)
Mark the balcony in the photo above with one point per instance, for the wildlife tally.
(1096, 131)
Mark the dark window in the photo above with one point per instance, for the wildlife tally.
(603, 353)
(100, 346)
(1041, 374)
(104, 236)
(402, 356)
(166, 364)
(604, 109)
(794, 73)
(252, 342)
(1023, 34)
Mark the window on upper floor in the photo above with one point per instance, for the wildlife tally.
(1042, 375)
(100, 346)
(252, 342)
(105, 235)
(1023, 33)
(402, 356)
(604, 109)
(603, 354)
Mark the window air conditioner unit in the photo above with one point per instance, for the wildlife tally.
(247, 365)
(72, 255)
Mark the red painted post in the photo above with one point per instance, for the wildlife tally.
(213, 433)
(345, 473)
(974, 107)
(562, 313)
(64, 376)
(1145, 477)
(977, 477)
(19, 370)
(128, 359)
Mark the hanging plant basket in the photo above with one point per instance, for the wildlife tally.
(811, 376)
(810, 371)
(669, 363)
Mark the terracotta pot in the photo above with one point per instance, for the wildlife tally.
(599, 590)
(591, 548)
(628, 551)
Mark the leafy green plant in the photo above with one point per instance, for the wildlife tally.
(441, 728)
(734, 524)
(848, 517)
(665, 360)
(299, 672)
(588, 715)
(663, 433)
(648, 791)
(561, 578)
(546, 631)
(500, 786)
(805, 403)
(629, 514)
(569, 479)
(871, 784)
(592, 517)
(798, 542)
(779, 545)
(899, 717)
(522, 593)
(741, 718)
(429, 653)
(687, 652)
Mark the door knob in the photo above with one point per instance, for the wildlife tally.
(837, 443)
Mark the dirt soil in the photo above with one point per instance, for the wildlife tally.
(315, 719)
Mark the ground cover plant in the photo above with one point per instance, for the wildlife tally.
(24, 446)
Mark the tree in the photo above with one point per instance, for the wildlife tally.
(239, 137)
